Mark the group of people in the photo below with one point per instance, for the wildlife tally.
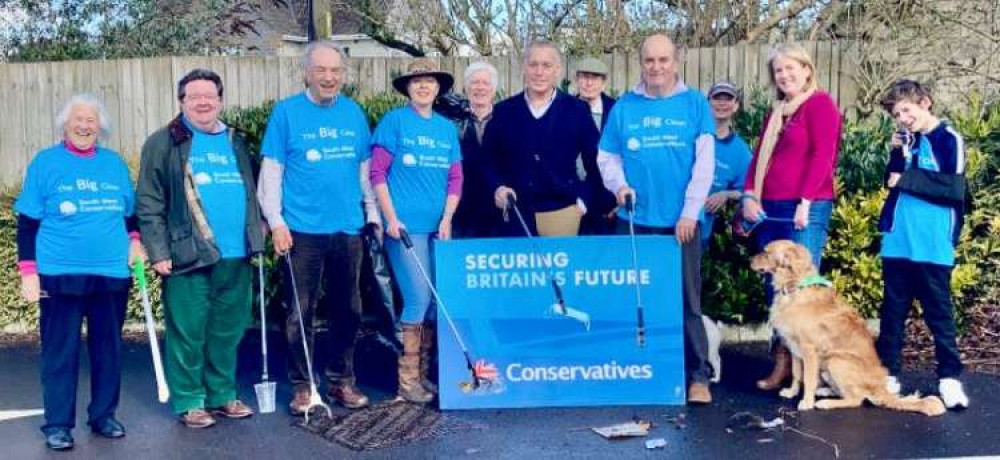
(663, 155)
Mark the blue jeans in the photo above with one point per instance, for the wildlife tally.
(813, 237)
(414, 289)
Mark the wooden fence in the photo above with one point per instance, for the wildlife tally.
(141, 94)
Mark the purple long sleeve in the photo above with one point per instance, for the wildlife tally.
(455, 179)
(381, 162)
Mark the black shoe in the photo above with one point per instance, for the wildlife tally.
(108, 428)
(59, 439)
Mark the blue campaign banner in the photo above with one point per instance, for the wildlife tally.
(530, 351)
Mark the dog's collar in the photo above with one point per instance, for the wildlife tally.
(809, 281)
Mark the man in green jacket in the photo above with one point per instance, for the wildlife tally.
(200, 224)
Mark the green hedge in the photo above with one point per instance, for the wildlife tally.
(731, 291)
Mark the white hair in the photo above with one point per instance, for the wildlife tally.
(89, 100)
(481, 66)
(318, 44)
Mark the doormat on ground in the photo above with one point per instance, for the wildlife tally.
(387, 424)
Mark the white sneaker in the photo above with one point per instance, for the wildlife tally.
(952, 393)
(892, 384)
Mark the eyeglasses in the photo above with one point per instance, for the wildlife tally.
(201, 97)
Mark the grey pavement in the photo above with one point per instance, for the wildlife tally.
(154, 433)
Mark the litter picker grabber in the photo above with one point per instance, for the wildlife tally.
(314, 398)
(640, 330)
(139, 271)
(266, 388)
(558, 308)
(474, 370)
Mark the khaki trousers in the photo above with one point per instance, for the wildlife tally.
(561, 222)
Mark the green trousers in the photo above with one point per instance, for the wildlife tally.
(206, 313)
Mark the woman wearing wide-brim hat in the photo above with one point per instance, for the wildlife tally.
(417, 174)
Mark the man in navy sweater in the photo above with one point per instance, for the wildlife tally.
(532, 144)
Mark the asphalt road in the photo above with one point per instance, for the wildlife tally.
(154, 433)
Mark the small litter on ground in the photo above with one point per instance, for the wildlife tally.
(631, 429)
(657, 443)
(679, 421)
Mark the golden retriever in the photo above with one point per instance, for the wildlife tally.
(827, 338)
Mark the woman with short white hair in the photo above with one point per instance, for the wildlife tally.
(476, 216)
(76, 238)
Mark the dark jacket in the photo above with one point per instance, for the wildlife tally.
(165, 217)
(602, 200)
(537, 158)
(607, 102)
(946, 187)
(476, 216)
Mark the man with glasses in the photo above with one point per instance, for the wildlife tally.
(314, 193)
(200, 225)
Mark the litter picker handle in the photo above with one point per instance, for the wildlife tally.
(558, 290)
(139, 271)
(263, 315)
(162, 390)
(640, 329)
(630, 203)
(405, 237)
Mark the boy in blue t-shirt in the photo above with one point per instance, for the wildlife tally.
(732, 154)
(920, 224)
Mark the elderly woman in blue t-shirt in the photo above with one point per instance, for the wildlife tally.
(417, 175)
(76, 238)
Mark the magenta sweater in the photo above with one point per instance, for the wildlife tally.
(805, 157)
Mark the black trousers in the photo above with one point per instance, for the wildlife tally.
(695, 339)
(930, 284)
(326, 266)
(60, 324)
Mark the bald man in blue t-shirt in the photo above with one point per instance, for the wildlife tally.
(657, 149)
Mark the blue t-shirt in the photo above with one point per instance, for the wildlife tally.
(321, 149)
(423, 151)
(82, 203)
(656, 139)
(220, 186)
(732, 159)
(922, 231)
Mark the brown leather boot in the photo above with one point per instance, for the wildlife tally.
(426, 348)
(348, 395)
(782, 369)
(699, 393)
(410, 388)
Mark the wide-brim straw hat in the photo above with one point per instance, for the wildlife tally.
(423, 67)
